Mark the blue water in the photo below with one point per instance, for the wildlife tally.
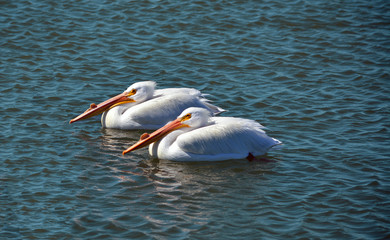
(316, 73)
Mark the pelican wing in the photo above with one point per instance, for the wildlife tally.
(160, 110)
(171, 91)
(192, 92)
(227, 136)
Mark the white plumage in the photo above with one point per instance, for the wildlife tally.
(140, 106)
(197, 136)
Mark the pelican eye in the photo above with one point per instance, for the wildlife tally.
(132, 92)
(186, 117)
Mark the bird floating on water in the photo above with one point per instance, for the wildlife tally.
(198, 136)
(141, 106)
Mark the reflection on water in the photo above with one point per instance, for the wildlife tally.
(114, 139)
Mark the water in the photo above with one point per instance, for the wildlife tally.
(316, 73)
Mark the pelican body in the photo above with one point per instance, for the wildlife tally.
(140, 106)
(198, 136)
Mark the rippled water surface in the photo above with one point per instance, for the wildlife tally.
(316, 73)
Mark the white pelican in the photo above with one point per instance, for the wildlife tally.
(140, 106)
(197, 136)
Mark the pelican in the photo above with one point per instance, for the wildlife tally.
(197, 136)
(140, 106)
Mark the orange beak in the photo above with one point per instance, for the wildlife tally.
(94, 109)
(147, 139)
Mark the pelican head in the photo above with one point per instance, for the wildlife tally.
(195, 117)
(136, 93)
(141, 91)
(191, 118)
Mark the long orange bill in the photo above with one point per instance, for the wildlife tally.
(147, 139)
(94, 109)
